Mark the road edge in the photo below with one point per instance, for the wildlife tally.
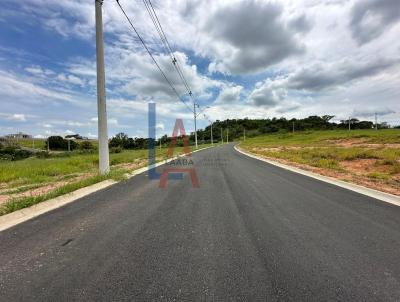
(382, 196)
(9, 220)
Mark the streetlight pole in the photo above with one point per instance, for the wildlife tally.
(195, 123)
(104, 165)
(212, 142)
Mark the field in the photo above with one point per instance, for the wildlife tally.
(32, 180)
(366, 157)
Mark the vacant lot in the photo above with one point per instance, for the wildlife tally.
(32, 180)
(366, 157)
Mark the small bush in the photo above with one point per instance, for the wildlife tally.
(116, 150)
(86, 145)
(14, 153)
(58, 143)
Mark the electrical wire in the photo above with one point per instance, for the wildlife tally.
(156, 22)
(151, 55)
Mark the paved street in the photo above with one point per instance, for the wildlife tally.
(251, 232)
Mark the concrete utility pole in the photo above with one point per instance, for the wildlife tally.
(212, 142)
(160, 143)
(376, 121)
(244, 134)
(227, 135)
(104, 162)
(222, 137)
(195, 123)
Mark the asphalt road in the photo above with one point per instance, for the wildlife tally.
(251, 232)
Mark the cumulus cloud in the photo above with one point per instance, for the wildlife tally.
(323, 75)
(252, 35)
(371, 18)
(146, 80)
(268, 94)
(229, 94)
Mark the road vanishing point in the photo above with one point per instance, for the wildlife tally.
(251, 232)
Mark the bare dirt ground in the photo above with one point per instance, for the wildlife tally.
(8, 192)
(371, 173)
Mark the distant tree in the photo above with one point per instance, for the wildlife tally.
(86, 145)
(58, 143)
(119, 140)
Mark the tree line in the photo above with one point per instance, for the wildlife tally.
(234, 129)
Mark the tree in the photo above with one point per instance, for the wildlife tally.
(58, 143)
(119, 140)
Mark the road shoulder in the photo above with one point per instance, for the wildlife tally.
(386, 197)
(19, 216)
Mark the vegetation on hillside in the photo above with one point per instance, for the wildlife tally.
(367, 157)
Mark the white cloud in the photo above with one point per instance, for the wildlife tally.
(17, 117)
(70, 79)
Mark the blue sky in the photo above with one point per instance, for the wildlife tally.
(254, 59)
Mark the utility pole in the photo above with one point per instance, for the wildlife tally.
(48, 144)
(227, 135)
(244, 134)
(160, 143)
(222, 137)
(293, 127)
(104, 162)
(195, 123)
(376, 121)
(212, 142)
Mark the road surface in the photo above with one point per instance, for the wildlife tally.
(251, 232)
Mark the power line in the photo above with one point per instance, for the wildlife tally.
(152, 57)
(153, 15)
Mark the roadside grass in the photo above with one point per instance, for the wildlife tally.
(365, 155)
(323, 138)
(27, 201)
(24, 175)
(330, 157)
(42, 170)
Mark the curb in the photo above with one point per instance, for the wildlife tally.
(382, 196)
(14, 218)
(19, 216)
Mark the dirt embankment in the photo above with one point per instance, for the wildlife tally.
(374, 173)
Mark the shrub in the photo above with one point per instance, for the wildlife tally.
(58, 143)
(116, 150)
(86, 145)
(14, 153)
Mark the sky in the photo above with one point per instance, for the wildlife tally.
(254, 59)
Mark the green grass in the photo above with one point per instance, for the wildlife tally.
(23, 202)
(317, 148)
(24, 175)
(320, 138)
(37, 170)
